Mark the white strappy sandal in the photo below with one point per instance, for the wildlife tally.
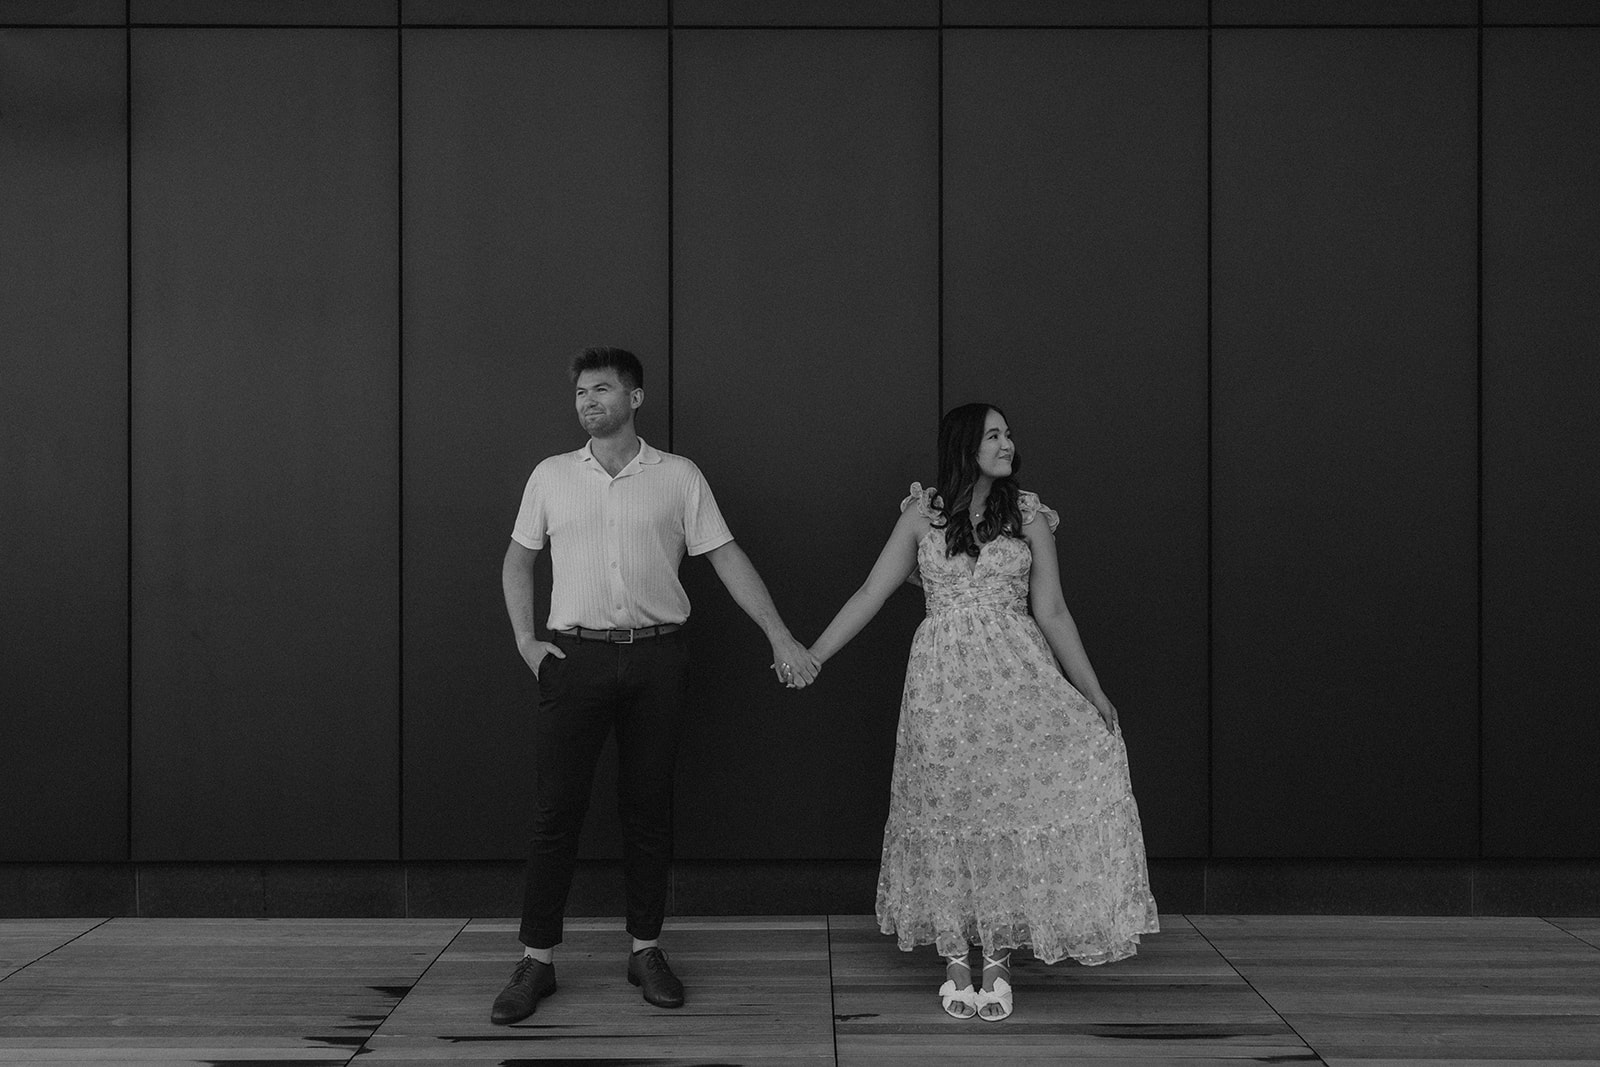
(1000, 995)
(958, 1003)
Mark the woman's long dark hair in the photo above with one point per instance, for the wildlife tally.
(960, 434)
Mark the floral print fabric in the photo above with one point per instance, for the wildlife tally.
(1011, 819)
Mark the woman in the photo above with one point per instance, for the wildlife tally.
(1011, 821)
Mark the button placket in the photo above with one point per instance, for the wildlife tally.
(613, 543)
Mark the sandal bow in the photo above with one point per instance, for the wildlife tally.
(1001, 995)
(950, 996)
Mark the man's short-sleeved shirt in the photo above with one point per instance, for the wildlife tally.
(615, 543)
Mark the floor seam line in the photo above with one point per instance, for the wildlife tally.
(833, 1001)
(58, 948)
(1576, 937)
(1271, 1006)
(362, 1048)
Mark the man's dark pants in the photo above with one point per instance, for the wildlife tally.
(637, 690)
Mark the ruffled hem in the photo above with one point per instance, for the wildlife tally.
(1078, 893)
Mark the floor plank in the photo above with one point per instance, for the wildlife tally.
(215, 990)
(1466, 990)
(757, 992)
(813, 990)
(1176, 1002)
(22, 941)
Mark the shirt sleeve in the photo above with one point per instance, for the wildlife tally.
(532, 525)
(703, 525)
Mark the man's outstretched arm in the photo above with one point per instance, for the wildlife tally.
(750, 593)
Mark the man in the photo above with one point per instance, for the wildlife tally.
(618, 516)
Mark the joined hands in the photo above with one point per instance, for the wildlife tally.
(793, 663)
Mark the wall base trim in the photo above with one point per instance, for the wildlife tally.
(1564, 887)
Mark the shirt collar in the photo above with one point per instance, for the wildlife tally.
(646, 455)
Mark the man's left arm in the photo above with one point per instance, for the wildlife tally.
(750, 593)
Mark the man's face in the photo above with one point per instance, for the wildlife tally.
(604, 404)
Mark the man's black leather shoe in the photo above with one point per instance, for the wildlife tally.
(648, 970)
(530, 981)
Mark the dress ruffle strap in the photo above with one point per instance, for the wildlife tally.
(923, 499)
(1028, 503)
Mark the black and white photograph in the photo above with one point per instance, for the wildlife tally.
(811, 533)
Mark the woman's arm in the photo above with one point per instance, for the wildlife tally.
(1050, 612)
(896, 560)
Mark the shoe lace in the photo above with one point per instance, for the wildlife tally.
(1001, 968)
(653, 959)
(524, 965)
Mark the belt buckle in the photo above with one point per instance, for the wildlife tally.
(618, 630)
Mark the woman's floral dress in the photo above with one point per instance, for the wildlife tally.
(1011, 817)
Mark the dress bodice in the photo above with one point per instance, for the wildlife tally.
(997, 580)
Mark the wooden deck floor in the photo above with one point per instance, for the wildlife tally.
(804, 990)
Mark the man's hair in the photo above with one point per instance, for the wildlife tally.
(625, 363)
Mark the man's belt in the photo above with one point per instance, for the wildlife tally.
(623, 636)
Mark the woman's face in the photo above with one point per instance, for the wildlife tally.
(995, 450)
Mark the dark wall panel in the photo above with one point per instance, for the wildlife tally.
(805, 292)
(536, 224)
(63, 445)
(1541, 447)
(1075, 299)
(544, 13)
(1344, 443)
(1075, 12)
(264, 12)
(62, 12)
(806, 13)
(1541, 12)
(1344, 12)
(265, 422)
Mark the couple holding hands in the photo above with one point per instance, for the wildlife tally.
(1011, 822)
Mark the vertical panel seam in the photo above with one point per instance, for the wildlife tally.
(400, 435)
(1211, 754)
(1479, 397)
(938, 346)
(671, 235)
(127, 251)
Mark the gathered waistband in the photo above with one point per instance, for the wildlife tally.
(1007, 606)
